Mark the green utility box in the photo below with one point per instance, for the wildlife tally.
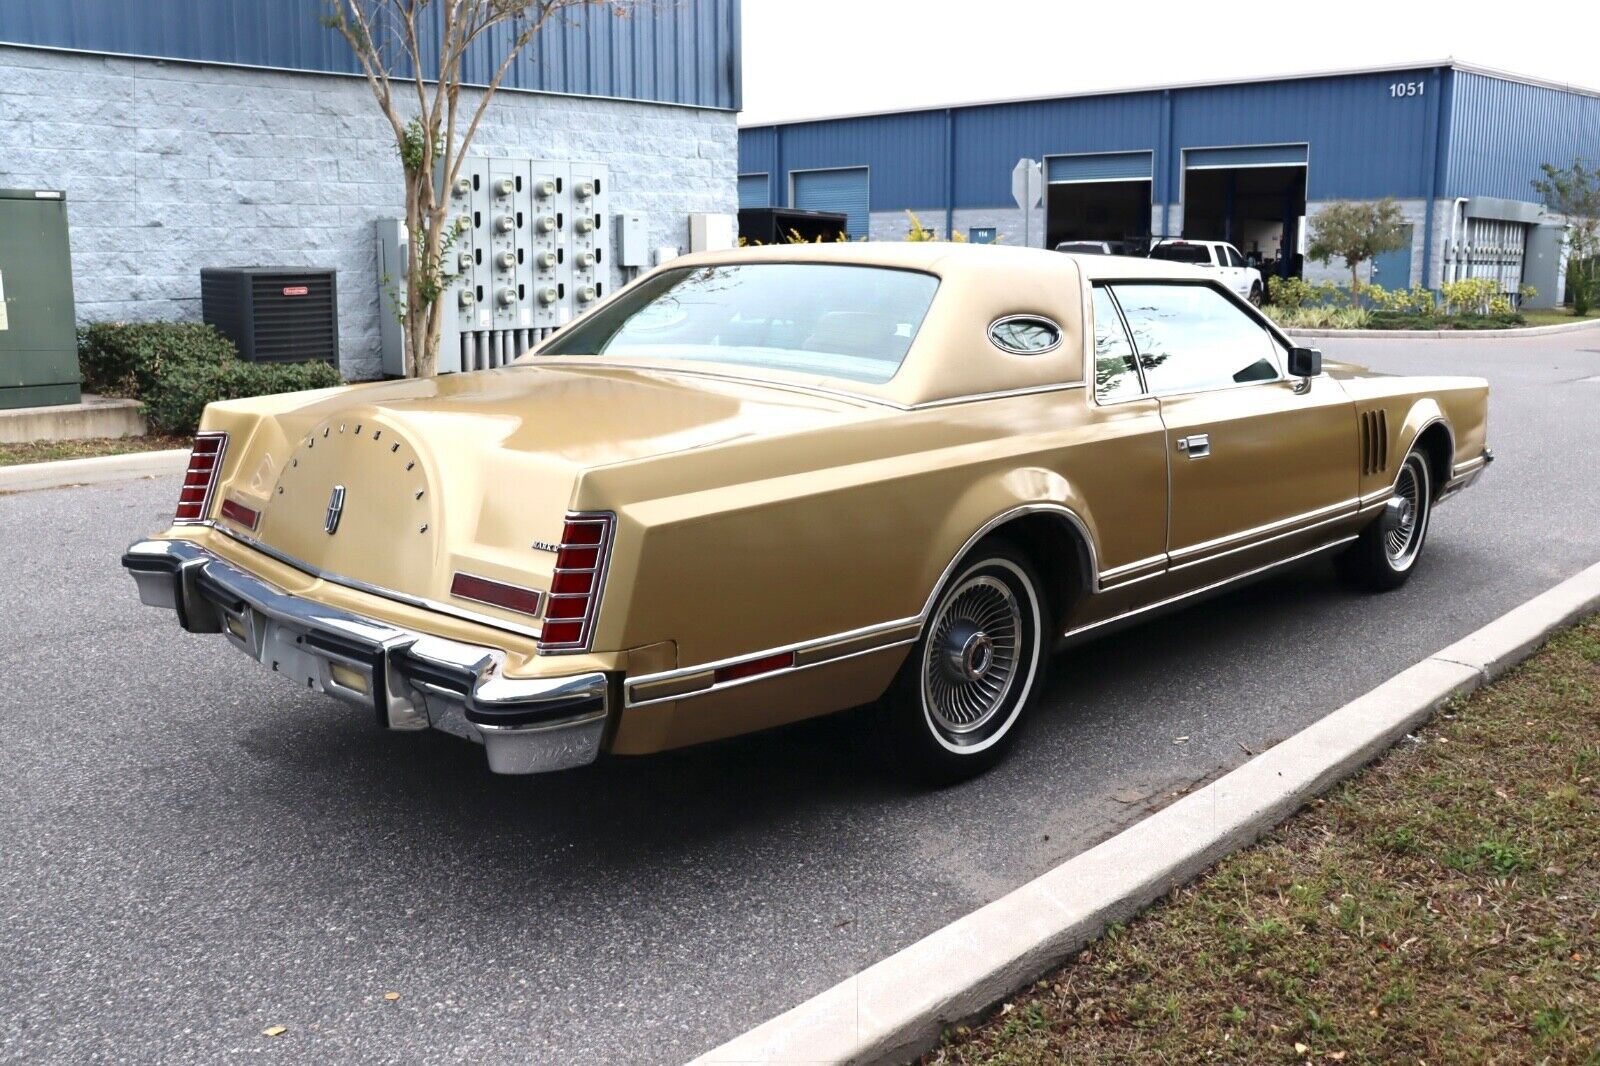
(38, 335)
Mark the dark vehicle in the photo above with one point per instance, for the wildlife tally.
(786, 225)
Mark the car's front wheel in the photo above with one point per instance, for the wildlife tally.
(1386, 553)
(1255, 294)
(957, 704)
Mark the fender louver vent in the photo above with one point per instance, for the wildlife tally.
(1374, 442)
(274, 315)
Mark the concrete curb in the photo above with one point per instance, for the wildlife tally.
(29, 476)
(1452, 334)
(895, 1009)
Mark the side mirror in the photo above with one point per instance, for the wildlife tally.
(1304, 362)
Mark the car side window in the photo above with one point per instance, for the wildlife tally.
(1116, 374)
(1191, 338)
(1234, 258)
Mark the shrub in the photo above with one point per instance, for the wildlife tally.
(1292, 293)
(1473, 296)
(1413, 301)
(177, 368)
(1322, 317)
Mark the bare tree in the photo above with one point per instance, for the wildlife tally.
(408, 47)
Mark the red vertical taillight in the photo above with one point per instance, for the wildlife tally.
(200, 480)
(578, 581)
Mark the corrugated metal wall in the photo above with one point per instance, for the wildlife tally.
(1365, 140)
(1502, 130)
(685, 52)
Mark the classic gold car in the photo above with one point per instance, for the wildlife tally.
(760, 485)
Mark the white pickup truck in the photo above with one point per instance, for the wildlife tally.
(1225, 258)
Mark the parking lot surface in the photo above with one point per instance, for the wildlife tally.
(192, 850)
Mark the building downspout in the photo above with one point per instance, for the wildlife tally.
(1434, 162)
(1163, 186)
(949, 174)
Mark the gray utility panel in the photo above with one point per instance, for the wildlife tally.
(38, 336)
(529, 254)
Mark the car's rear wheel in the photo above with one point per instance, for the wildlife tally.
(958, 702)
(1386, 553)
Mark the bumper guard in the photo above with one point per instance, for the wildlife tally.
(409, 680)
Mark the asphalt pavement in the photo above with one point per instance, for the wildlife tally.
(192, 850)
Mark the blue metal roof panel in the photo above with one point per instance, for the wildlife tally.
(686, 52)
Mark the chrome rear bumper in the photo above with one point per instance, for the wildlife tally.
(409, 680)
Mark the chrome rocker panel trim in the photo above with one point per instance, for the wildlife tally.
(409, 680)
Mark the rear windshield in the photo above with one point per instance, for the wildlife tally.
(1182, 253)
(840, 321)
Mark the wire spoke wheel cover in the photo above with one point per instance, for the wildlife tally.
(980, 656)
(1403, 540)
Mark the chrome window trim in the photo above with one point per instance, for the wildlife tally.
(1044, 320)
(375, 590)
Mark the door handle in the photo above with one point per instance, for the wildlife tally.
(1195, 446)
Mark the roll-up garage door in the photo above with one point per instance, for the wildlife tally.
(755, 190)
(1246, 155)
(1099, 196)
(1101, 166)
(843, 190)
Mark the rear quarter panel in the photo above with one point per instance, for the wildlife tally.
(730, 551)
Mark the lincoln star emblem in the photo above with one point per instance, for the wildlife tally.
(330, 524)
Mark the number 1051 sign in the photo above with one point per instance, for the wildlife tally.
(1406, 88)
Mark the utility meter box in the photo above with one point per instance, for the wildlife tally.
(38, 336)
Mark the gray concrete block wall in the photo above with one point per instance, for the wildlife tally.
(1415, 212)
(170, 167)
(1005, 221)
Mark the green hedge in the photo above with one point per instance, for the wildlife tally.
(177, 368)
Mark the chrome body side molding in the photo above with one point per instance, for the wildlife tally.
(1216, 586)
(690, 681)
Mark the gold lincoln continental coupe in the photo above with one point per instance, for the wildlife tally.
(760, 485)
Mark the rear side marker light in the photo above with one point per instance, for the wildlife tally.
(577, 582)
(200, 479)
(494, 593)
(234, 511)
(754, 667)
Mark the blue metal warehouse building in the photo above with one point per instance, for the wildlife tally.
(1248, 162)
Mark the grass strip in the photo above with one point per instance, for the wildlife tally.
(1443, 906)
(45, 451)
